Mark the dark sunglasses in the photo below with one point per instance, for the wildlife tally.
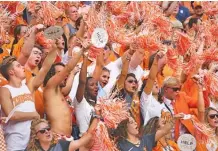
(131, 81)
(44, 130)
(212, 116)
(175, 89)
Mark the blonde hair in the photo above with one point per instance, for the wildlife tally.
(33, 146)
(171, 82)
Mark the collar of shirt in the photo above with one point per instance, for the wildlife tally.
(167, 102)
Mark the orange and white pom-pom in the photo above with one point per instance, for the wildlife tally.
(102, 141)
(183, 43)
(203, 132)
(113, 111)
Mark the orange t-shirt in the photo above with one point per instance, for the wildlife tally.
(191, 89)
(167, 71)
(38, 96)
(3, 54)
(172, 144)
(18, 47)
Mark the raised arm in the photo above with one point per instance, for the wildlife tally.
(80, 33)
(37, 81)
(167, 127)
(124, 71)
(66, 90)
(59, 77)
(99, 66)
(151, 77)
(82, 80)
(28, 44)
(7, 107)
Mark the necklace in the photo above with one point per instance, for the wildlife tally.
(136, 144)
(166, 148)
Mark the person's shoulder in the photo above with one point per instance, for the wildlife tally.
(64, 144)
(123, 145)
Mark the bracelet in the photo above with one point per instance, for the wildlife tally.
(127, 58)
(94, 115)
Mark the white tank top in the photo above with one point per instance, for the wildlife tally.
(17, 134)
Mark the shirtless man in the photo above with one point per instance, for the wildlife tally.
(56, 107)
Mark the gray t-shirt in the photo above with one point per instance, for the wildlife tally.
(147, 141)
(60, 146)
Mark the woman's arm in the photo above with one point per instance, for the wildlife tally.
(82, 80)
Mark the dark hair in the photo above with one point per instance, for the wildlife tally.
(6, 64)
(38, 47)
(105, 69)
(152, 126)
(121, 131)
(65, 43)
(192, 21)
(17, 31)
(51, 72)
(77, 23)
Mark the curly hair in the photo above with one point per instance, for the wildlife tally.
(33, 142)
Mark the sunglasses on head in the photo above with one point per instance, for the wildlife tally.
(212, 116)
(42, 131)
(131, 81)
(175, 89)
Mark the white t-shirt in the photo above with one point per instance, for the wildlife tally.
(17, 133)
(83, 114)
(150, 107)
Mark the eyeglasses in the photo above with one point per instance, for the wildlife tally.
(212, 116)
(175, 89)
(42, 131)
(131, 81)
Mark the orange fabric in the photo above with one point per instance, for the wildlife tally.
(135, 110)
(183, 104)
(191, 89)
(38, 96)
(201, 147)
(8, 46)
(159, 147)
(167, 71)
(4, 54)
(145, 62)
(18, 47)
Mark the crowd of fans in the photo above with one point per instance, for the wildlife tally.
(156, 78)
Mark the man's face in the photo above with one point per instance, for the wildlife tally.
(198, 10)
(35, 57)
(172, 91)
(104, 78)
(60, 43)
(17, 70)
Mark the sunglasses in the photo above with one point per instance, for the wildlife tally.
(131, 81)
(42, 131)
(175, 89)
(212, 116)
